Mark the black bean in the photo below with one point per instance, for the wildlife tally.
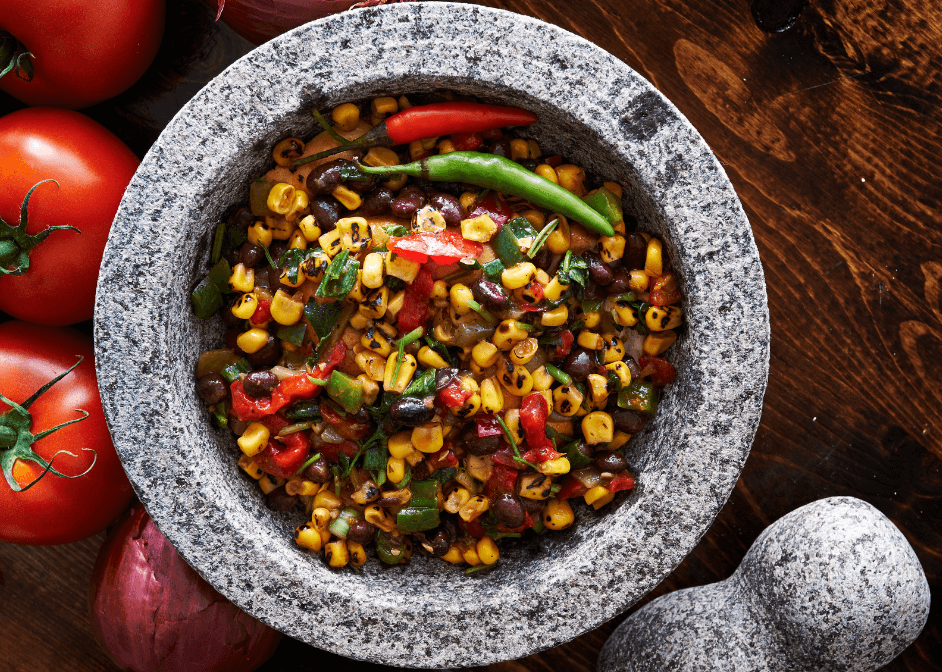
(507, 509)
(212, 388)
(448, 206)
(529, 164)
(268, 355)
(409, 200)
(326, 211)
(251, 255)
(584, 449)
(593, 292)
(444, 376)
(579, 364)
(619, 284)
(598, 271)
(277, 250)
(361, 531)
(629, 421)
(636, 251)
(242, 218)
(279, 499)
(490, 295)
(500, 147)
(260, 383)
(228, 318)
(478, 445)
(610, 461)
(377, 201)
(326, 177)
(532, 506)
(318, 471)
(274, 280)
(543, 258)
(411, 411)
(436, 539)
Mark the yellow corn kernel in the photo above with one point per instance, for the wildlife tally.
(247, 464)
(613, 348)
(298, 204)
(481, 228)
(662, 318)
(297, 241)
(473, 508)
(598, 427)
(346, 116)
(253, 340)
(460, 295)
(479, 467)
(554, 467)
(535, 486)
(308, 536)
(508, 333)
(330, 242)
(484, 354)
(375, 340)
(373, 270)
(555, 317)
(487, 550)
(381, 156)
(492, 398)
(524, 351)
(598, 494)
(245, 307)
(395, 469)
(336, 553)
(557, 514)
(555, 289)
(285, 276)
(320, 515)
(369, 387)
(380, 107)
(542, 379)
(259, 234)
(309, 229)
(431, 359)
(618, 440)
(654, 258)
(536, 218)
(467, 199)
(242, 278)
(287, 151)
(327, 499)
(543, 278)
(571, 178)
(356, 233)
(315, 264)
(567, 399)
(428, 438)
(417, 150)
(519, 149)
(625, 314)
(254, 439)
(280, 198)
(516, 379)
(519, 275)
(299, 486)
(512, 420)
(559, 240)
(591, 319)
(598, 387)
(547, 171)
(378, 517)
(285, 310)
(458, 498)
(612, 248)
(589, 339)
(638, 281)
(267, 483)
(622, 371)
(454, 555)
(473, 404)
(406, 371)
(400, 444)
(439, 290)
(395, 305)
(371, 364)
(530, 295)
(657, 342)
(470, 556)
(534, 148)
(401, 268)
(350, 199)
(357, 553)
(446, 146)
(374, 304)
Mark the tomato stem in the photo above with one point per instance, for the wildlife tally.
(16, 244)
(15, 58)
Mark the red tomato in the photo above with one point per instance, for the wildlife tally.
(58, 510)
(85, 50)
(92, 168)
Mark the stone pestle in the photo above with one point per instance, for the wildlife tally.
(831, 586)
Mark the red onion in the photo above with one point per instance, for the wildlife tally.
(152, 613)
(260, 20)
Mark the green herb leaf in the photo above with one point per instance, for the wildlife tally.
(422, 385)
(217, 242)
(339, 278)
(293, 334)
(541, 238)
(322, 317)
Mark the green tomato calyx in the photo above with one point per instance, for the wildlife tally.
(14, 58)
(16, 244)
(16, 439)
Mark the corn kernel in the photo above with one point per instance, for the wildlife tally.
(516, 379)
(487, 550)
(657, 342)
(598, 427)
(350, 199)
(567, 400)
(245, 307)
(555, 317)
(560, 465)
(395, 469)
(280, 198)
(547, 171)
(242, 278)
(535, 486)
(654, 258)
(492, 398)
(254, 439)
(380, 107)
(248, 465)
(357, 553)
(454, 555)
(400, 444)
(613, 187)
(590, 340)
(618, 440)
(336, 553)
(460, 295)
(519, 149)
(470, 556)
(331, 242)
(327, 499)
(555, 289)
(534, 148)
(346, 116)
(598, 387)
(431, 359)
(661, 318)
(512, 420)
(523, 351)
(375, 340)
(536, 218)
(519, 275)
(559, 240)
(508, 333)
(479, 467)
(297, 240)
(595, 494)
(557, 514)
(406, 371)
(253, 340)
(369, 387)
(381, 156)
(260, 234)
(374, 304)
(468, 199)
(481, 228)
(625, 314)
(542, 379)
(458, 498)
(308, 536)
(446, 146)
(371, 364)
(622, 371)
(484, 354)
(612, 248)
(401, 268)
(395, 305)
(571, 178)
(613, 348)
(285, 310)
(473, 508)
(428, 438)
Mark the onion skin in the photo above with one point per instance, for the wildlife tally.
(152, 613)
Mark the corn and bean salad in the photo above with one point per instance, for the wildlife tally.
(428, 366)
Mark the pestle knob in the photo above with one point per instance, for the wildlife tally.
(831, 586)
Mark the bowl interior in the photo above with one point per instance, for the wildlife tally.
(545, 590)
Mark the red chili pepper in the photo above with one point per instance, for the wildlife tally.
(657, 370)
(568, 339)
(453, 395)
(262, 313)
(623, 481)
(415, 308)
(571, 487)
(533, 414)
(494, 207)
(487, 425)
(443, 247)
(466, 142)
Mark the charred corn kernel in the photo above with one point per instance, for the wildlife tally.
(315, 264)
(253, 340)
(654, 258)
(613, 348)
(598, 494)
(492, 398)
(555, 289)
(350, 199)
(571, 178)
(470, 556)
(401, 268)
(372, 364)
(487, 551)
(598, 427)
(247, 464)
(479, 467)
(336, 553)
(473, 404)
(454, 555)
(530, 295)
(431, 359)
(512, 420)
(357, 295)
(325, 535)
(428, 219)
(484, 354)
(400, 444)
(287, 151)
(331, 242)
(308, 536)
(473, 508)
(508, 333)
(428, 438)
(281, 229)
(516, 379)
(446, 146)
(395, 304)
(245, 307)
(612, 248)
(297, 241)
(481, 228)
(374, 305)
(467, 199)
(378, 517)
(557, 514)
(567, 399)
(381, 156)
(414, 458)
(460, 295)
(280, 198)
(535, 486)
(555, 317)
(359, 321)
(523, 351)
(375, 340)
(328, 500)
(395, 469)
(458, 498)
(519, 149)
(589, 339)
(298, 205)
(242, 278)
(373, 270)
(346, 116)
(406, 371)
(267, 484)
(380, 107)
(542, 379)
(638, 281)
(301, 486)
(543, 278)
(356, 233)
(591, 319)
(598, 387)
(657, 342)
(285, 277)
(518, 275)
(259, 234)
(536, 218)
(309, 228)
(534, 147)
(388, 329)
(547, 171)
(357, 553)
(320, 515)
(625, 314)
(661, 318)
(559, 240)
(444, 331)
(439, 290)
(254, 439)
(285, 310)
(618, 440)
(622, 371)
(560, 465)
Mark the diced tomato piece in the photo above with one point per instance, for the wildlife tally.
(262, 312)
(442, 247)
(664, 290)
(487, 425)
(623, 481)
(565, 347)
(453, 395)
(496, 208)
(473, 529)
(345, 427)
(533, 414)
(657, 370)
(466, 142)
(415, 309)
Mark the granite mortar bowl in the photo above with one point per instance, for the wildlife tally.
(547, 590)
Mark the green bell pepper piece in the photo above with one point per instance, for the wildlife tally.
(493, 269)
(417, 519)
(231, 372)
(346, 391)
(206, 299)
(424, 494)
(293, 334)
(638, 396)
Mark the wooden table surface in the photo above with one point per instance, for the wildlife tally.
(826, 118)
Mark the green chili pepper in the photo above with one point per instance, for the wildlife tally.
(496, 172)
(424, 493)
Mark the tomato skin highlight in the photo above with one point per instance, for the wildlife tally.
(86, 50)
(58, 510)
(93, 168)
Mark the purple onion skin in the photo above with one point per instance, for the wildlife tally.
(152, 613)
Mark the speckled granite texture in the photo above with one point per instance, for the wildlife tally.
(830, 587)
(593, 109)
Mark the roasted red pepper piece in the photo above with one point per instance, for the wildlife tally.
(473, 529)
(345, 427)
(505, 457)
(487, 425)
(571, 487)
(331, 450)
(664, 290)
(623, 481)
(415, 308)
(442, 247)
(262, 313)
(533, 414)
(657, 370)
(453, 394)
(283, 457)
(565, 347)
(493, 206)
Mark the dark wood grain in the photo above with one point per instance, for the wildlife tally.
(830, 132)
